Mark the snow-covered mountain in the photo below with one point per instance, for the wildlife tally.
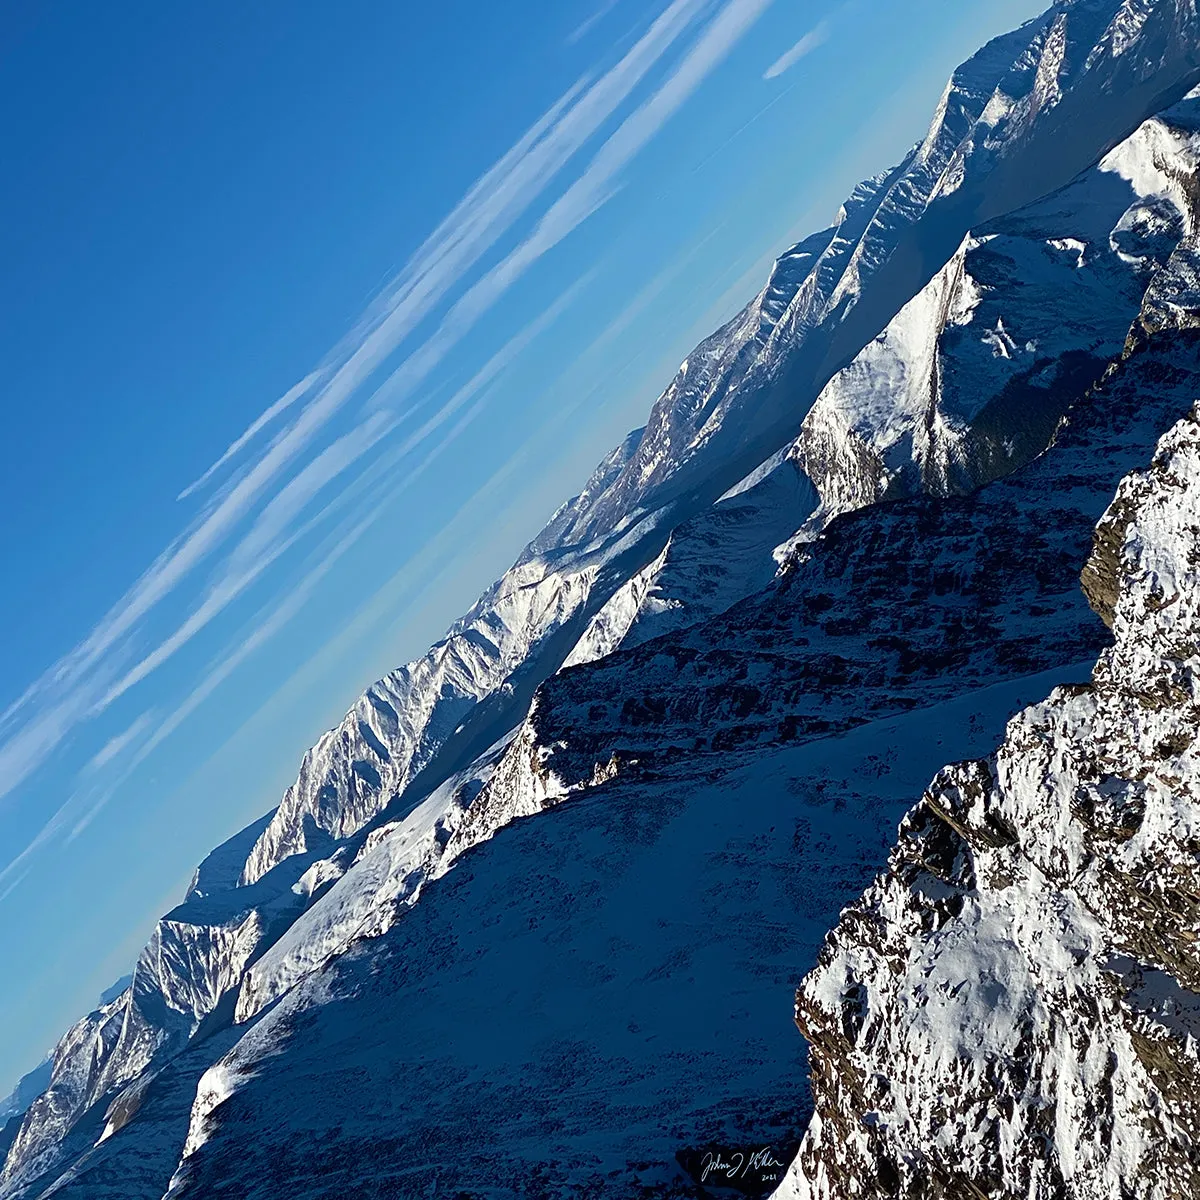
(997, 142)
(972, 375)
(840, 533)
(589, 992)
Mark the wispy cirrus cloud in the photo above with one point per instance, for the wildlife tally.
(118, 744)
(586, 194)
(268, 538)
(401, 467)
(813, 40)
(297, 467)
(89, 677)
(289, 398)
(274, 530)
(581, 198)
(491, 206)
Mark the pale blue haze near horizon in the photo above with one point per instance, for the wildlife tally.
(434, 261)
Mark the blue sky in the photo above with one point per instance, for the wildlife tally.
(312, 315)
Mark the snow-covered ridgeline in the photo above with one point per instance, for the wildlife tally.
(384, 877)
(719, 556)
(971, 376)
(1013, 1010)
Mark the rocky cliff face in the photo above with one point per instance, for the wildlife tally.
(1013, 1008)
(915, 352)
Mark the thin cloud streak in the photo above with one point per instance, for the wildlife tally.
(647, 294)
(273, 534)
(811, 41)
(586, 26)
(588, 193)
(737, 133)
(17, 866)
(499, 198)
(271, 624)
(92, 800)
(115, 746)
(298, 392)
(267, 539)
(479, 389)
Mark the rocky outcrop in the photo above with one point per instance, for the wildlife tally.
(1013, 1009)
(935, 589)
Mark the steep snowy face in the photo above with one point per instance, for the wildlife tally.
(719, 556)
(394, 730)
(961, 585)
(80, 1055)
(381, 881)
(1013, 1009)
(972, 375)
(1018, 121)
(883, 600)
(186, 975)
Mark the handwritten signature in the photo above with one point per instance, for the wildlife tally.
(738, 1165)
